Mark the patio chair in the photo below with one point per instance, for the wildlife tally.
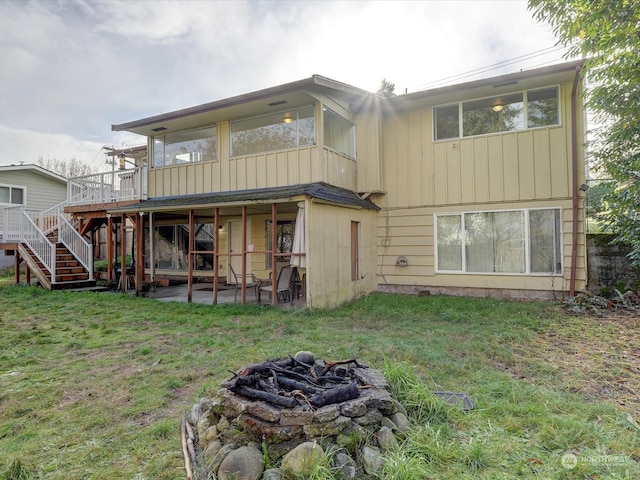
(282, 286)
(250, 280)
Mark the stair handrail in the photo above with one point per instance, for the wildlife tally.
(49, 218)
(21, 226)
(77, 245)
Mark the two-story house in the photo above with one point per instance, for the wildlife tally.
(471, 188)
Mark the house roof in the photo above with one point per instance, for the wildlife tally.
(254, 103)
(36, 169)
(524, 79)
(319, 190)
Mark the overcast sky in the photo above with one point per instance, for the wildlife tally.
(71, 69)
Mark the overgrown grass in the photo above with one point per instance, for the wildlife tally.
(92, 386)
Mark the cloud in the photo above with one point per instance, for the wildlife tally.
(75, 67)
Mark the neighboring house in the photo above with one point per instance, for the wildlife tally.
(30, 186)
(470, 189)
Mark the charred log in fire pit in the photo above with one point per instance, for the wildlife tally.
(291, 382)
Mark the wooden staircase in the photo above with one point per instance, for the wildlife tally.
(70, 273)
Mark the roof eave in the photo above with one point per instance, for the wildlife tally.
(315, 80)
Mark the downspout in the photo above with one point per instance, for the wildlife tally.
(574, 186)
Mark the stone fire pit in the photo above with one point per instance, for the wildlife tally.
(282, 416)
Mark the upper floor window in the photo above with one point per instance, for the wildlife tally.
(12, 195)
(275, 131)
(339, 133)
(505, 113)
(199, 145)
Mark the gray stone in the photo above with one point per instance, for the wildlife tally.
(202, 426)
(264, 411)
(386, 439)
(354, 408)
(372, 417)
(371, 460)
(302, 459)
(398, 407)
(270, 432)
(305, 357)
(272, 474)
(212, 450)
(333, 427)
(378, 398)
(222, 424)
(386, 422)
(352, 437)
(245, 463)
(401, 421)
(327, 413)
(295, 417)
(210, 435)
(345, 464)
(369, 376)
(219, 456)
(234, 405)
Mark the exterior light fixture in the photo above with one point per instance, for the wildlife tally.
(497, 107)
(288, 118)
(122, 161)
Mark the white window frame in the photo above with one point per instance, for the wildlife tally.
(525, 114)
(527, 250)
(11, 187)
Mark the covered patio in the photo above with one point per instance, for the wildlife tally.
(214, 243)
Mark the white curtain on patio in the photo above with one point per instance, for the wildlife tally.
(299, 240)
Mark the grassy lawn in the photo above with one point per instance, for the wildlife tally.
(92, 386)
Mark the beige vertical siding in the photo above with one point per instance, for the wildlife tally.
(271, 169)
(409, 232)
(369, 166)
(513, 166)
(329, 254)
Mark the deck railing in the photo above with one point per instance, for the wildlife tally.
(107, 187)
(78, 246)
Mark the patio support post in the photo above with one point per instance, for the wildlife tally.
(152, 252)
(123, 256)
(109, 249)
(139, 270)
(244, 254)
(274, 258)
(190, 255)
(27, 274)
(216, 250)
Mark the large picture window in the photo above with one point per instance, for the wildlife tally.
(199, 145)
(513, 241)
(11, 195)
(506, 113)
(276, 131)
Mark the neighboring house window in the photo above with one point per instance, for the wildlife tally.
(339, 133)
(506, 113)
(199, 145)
(284, 240)
(12, 195)
(275, 131)
(355, 252)
(513, 241)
